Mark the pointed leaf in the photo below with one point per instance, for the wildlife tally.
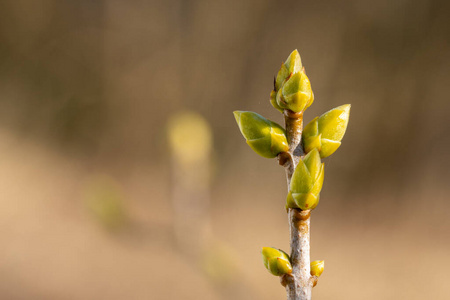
(313, 163)
(328, 147)
(293, 62)
(312, 129)
(333, 123)
(301, 181)
(312, 142)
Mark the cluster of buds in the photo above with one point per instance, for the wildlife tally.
(292, 95)
(292, 89)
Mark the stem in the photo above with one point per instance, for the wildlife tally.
(294, 127)
(299, 284)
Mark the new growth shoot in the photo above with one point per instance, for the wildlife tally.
(300, 152)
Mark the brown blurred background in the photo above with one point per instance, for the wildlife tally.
(93, 205)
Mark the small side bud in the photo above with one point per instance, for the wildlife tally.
(325, 133)
(265, 137)
(296, 93)
(317, 267)
(276, 261)
(306, 182)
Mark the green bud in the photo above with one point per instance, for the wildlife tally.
(317, 267)
(292, 89)
(326, 132)
(296, 93)
(306, 182)
(276, 261)
(265, 137)
(292, 65)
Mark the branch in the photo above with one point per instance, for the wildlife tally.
(299, 283)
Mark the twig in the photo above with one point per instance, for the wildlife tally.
(322, 136)
(298, 284)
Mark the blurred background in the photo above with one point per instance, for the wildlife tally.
(102, 196)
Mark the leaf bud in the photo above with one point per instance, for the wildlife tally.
(306, 182)
(325, 133)
(317, 267)
(296, 93)
(265, 137)
(276, 261)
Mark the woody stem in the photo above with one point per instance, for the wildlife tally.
(299, 284)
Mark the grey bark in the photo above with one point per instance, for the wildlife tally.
(299, 284)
